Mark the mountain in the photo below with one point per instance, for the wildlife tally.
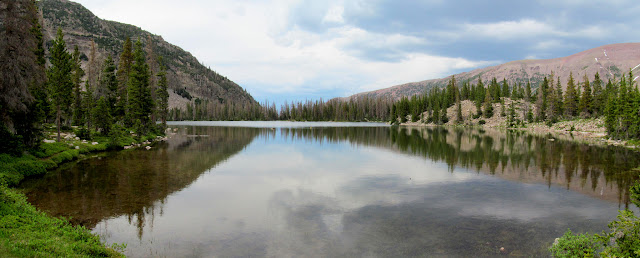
(609, 60)
(188, 78)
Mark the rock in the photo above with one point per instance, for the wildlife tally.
(168, 129)
(148, 147)
(77, 138)
(175, 129)
(128, 147)
(71, 144)
(49, 141)
(94, 143)
(77, 147)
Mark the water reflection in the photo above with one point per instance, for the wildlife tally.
(341, 191)
(134, 183)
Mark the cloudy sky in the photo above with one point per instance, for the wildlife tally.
(307, 49)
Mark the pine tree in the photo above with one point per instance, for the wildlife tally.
(571, 98)
(585, 105)
(488, 105)
(599, 96)
(552, 110)
(527, 92)
(76, 78)
(103, 119)
(139, 95)
(559, 105)
(108, 86)
(124, 69)
(60, 84)
(21, 56)
(480, 95)
(162, 95)
(541, 101)
(505, 88)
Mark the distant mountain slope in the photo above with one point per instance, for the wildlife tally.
(609, 60)
(185, 72)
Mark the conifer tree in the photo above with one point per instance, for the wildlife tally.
(103, 119)
(527, 92)
(139, 96)
(21, 72)
(88, 105)
(60, 84)
(585, 105)
(541, 101)
(76, 78)
(124, 69)
(162, 95)
(488, 105)
(552, 109)
(559, 105)
(505, 88)
(571, 98)
(599, 96)
(108, 86)
(480, 95)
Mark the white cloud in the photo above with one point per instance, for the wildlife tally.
(503, 30)
(253, 44)
(334, 15)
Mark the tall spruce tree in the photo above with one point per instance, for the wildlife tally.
(76, 78)
(124, 70)
(527, 92)
(140, 102)
(559, 105)
(571, 98)
(599, 96)
(60, 84)
(585, 106)
(21, 73)
(505, 88)
(541, 101)
(162, 95)
(488, 105)
(108, 86)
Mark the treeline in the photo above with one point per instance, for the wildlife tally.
(618, 101)
(354, 109)
(112, 100)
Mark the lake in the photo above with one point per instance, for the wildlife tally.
(285, 189)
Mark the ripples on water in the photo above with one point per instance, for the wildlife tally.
(332, 189)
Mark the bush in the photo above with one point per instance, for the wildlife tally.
(622, 241)
(49, 149)
(570, 245)
(481, 122)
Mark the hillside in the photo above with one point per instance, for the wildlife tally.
(609, 60)
(184, 71)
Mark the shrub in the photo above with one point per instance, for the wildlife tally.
(481, 122)
(570, 245)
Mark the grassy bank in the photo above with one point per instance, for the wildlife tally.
(27, 232)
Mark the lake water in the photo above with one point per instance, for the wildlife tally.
(282, 189)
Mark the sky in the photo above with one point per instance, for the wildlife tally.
(292, 50)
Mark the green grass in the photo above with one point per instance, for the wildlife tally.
(27, 232)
